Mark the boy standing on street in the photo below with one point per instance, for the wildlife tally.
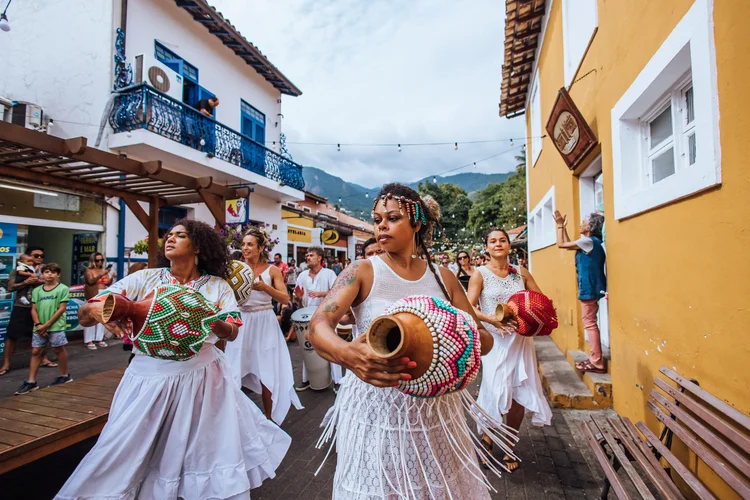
(48, 303)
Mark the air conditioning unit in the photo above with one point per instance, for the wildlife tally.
(27, 114)
(155, 73)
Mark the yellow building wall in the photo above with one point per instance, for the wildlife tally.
(679, 274)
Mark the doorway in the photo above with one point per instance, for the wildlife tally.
(591, 193)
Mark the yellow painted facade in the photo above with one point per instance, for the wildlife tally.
(679, 274)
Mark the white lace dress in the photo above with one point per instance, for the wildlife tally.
(394, 446)
(509, 370)
(259, 355)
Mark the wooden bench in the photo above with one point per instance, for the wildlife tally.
(716, 433)
(42, 422)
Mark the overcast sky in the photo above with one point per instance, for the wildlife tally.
(386, 71)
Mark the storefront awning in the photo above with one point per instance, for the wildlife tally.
(36, 158)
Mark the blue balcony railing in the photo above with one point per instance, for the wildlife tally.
(143, 107)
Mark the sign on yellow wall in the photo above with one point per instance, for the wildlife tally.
(236, 211)
(330, 237)
(297, 234)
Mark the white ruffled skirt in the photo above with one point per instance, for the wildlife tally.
(179, 429)
(259, 355)
(394, 446)
(509, 373)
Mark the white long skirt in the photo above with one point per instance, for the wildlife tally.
(509, 373)
(394, 446)
(179, 429)
(258, 356)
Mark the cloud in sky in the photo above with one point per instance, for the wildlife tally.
(387, 71)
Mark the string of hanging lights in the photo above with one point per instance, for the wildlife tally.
(401, 145)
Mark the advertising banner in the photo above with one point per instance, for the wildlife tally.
(77, 299)
(8, 244)
(84, 244)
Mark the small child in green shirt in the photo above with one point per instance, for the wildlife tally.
(48, 304)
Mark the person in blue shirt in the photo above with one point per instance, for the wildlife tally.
(592, 280)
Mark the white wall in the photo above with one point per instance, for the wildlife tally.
(221, 71)
(59, 54)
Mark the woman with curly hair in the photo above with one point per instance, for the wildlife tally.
(259, 357)
(389, 444)
(180, 429)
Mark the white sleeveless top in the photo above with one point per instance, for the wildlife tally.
(497, 290)
(387, 288)
(258, 298)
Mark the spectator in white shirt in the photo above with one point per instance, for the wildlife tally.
(313, 285)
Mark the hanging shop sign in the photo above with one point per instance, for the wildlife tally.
(84, 244)
(572, 136)
(236, 211)
(298, 234)
(330, 237)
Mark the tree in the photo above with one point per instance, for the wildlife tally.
(454, 207)
(501, 205)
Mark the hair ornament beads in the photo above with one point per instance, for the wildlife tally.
(413, 208)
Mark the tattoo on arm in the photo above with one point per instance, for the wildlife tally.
(330, 305)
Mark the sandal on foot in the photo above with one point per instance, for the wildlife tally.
(588, 366)
(91, 346)
(511, 463)
(4, 371)
(50, 365)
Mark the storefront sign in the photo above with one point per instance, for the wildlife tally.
(359, 248)
(84, 244)
(572, 136)
(77, 298)
(8, 237)
(8, 244)
(297, 234)
(237, 212)
(330, 237)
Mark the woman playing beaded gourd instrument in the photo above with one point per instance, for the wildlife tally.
(390, 444)
(259, 358)
(180, 429)
(510, 382)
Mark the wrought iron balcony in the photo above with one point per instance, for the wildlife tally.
(143, 107)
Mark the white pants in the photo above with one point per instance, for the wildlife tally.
(336, 373)
(93, 333)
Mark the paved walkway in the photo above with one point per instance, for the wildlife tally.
(555, 464)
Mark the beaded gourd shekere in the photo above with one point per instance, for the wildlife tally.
(455, 341)
(178, 322)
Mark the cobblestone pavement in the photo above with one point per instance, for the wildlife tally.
(555, 461)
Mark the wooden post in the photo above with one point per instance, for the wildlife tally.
(215, 205)
(153, 232)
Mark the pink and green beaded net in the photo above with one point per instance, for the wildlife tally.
(455, 341)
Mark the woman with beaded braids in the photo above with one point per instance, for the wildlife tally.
(180, 429)
(390, 444)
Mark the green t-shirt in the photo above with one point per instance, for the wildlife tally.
(47, 302)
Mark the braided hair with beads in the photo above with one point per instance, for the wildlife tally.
(425, 210)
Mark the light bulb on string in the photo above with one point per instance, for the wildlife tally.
(339, 199)
(455, 146)
(434, 180)
(367, 195)
(511, 142)
(399, 148)
(338, 147)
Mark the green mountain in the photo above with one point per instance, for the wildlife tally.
(353, 195)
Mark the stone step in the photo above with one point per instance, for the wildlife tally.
(563, 385)
(600, 384)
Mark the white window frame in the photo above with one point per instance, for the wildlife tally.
(307, 210)
(580, 20)
(689, 49)
(542, 223)
(535, 116)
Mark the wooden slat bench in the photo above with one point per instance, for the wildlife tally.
(716, 433)
(42, 422)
